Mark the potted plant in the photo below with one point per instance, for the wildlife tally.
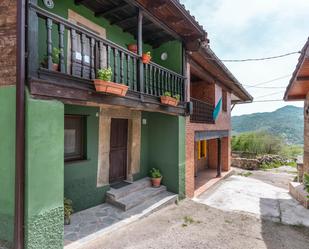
(156, 177)
(146, 57)
(103, 83)
(167, 99)
(55, 59)
(132, 47)
(68, 210)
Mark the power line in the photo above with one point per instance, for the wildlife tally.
(258, 59)
(265, 87)
(259, 101)
(270, 94)
(269, 81)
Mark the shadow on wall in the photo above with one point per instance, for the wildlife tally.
(275, 215)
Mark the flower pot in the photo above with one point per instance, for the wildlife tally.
(67, 220)
(146, 58)
(55, 67)
(156, 182)
(169, 101)
(110, 87)
(132, 48)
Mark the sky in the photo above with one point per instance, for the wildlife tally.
(242, 29)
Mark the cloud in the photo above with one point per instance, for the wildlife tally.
(242, 29)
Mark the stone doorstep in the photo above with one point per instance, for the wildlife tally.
(297, 191)
(166, 201)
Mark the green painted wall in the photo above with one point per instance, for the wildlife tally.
(174, 55)
(80, 178)
(44, 174)
(7, 162)
(113, 33)
(163, 147)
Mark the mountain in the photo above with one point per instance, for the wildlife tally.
(287, 122)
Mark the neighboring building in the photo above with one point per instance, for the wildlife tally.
(298, 90)
(78, 143)
(213, 90)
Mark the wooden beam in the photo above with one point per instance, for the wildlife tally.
(111, 11)
(133, 28)
(154, 19)
(122, 21)
(78, 2)
(302, 78)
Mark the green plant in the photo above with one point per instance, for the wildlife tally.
(68, 208)
(148, 53)
(155, 173)
(167, 94)
(306, 183)
(105, 74)
(177, 97)
(55, 55)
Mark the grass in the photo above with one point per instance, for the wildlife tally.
(245, 174)
(188, 220)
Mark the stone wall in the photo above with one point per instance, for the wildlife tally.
(244, 163)
(7, 42)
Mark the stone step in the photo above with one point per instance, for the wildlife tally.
(114, 194)
(136, 198)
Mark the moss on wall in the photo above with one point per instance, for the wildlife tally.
(80, 178)
(163, 147)
(44, 174)
(7, 164)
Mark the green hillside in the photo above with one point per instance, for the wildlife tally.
(287, 122)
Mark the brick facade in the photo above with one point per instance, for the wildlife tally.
(7, 42)
(207, 92)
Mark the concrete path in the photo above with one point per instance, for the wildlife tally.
(256, 197)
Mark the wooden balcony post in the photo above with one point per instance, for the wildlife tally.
(219, 168)
(32, 43)
(186, 74)
(140, 69)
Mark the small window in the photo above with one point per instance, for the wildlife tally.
(74, 137)
(224, 100)
(201, 149)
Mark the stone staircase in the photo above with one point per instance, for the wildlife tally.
(138, 194)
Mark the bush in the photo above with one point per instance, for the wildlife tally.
(257, 142)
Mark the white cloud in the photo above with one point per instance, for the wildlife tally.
(253, 29)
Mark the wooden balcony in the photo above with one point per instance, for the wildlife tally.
(202, 112)
(82, 53)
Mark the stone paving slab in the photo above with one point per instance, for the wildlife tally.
(244, 194)
(94, 222)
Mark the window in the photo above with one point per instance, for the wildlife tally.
(224, 100)
(74, 137)
(201, 149)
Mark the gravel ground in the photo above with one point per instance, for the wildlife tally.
(195, 225)
(279, 177)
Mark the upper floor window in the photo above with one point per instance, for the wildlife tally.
(74, 137)
(224, 100)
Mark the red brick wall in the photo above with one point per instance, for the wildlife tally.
(7, 42)
(222, 123)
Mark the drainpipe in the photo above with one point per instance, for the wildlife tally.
(20, 128)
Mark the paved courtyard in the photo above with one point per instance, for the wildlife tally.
(240, 212)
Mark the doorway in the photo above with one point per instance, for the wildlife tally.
(118, 150)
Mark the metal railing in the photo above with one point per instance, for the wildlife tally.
(202, 112)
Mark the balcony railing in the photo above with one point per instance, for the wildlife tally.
(83, 52)
(202, 112)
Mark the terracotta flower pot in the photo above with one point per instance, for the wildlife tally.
(55, 67)
(156, 182)
(169, 101)
(146, 58)
(132, 48)
(110, 87)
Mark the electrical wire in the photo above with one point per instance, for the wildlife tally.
(257, 59)
(269, 81)
(270, 94)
